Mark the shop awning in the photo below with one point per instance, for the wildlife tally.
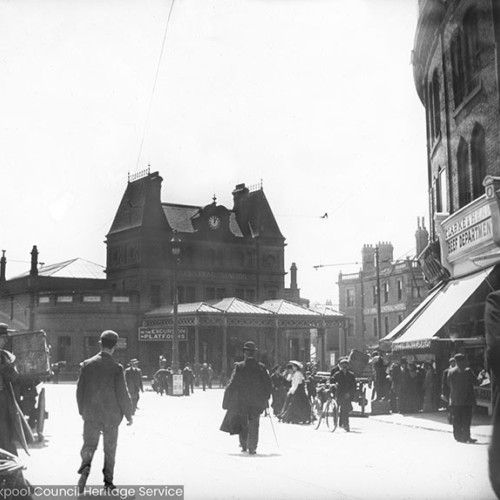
(438, 311)
(403, 326)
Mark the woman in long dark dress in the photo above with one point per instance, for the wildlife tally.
(297, 409)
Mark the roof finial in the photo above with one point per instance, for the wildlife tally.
(214, 198)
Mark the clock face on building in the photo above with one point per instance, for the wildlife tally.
(213, 222)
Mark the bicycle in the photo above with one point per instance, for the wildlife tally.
(325, 407)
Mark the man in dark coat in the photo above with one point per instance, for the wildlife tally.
(492, 355)
(187, 379)
(345, 381)
(12, 424)
(133, 378)
(247, 396)
(103, 400)
(461, 382)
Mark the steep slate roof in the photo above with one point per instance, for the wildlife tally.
(140, 205)
(179, 217)
(74, 268)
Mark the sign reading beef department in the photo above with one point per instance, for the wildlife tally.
(162, 334)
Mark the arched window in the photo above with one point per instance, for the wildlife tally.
(471, 48)
(457, 64)
(436, 106)
(464, 182)
(478, 160)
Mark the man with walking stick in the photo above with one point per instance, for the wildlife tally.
(245, 398)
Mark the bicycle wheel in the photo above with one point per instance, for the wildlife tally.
(334, 414)
(321, 414)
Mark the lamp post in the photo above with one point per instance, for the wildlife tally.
(175, 248)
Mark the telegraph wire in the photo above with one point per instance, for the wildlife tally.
(148, 114)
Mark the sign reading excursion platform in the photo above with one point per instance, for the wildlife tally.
(161, 334)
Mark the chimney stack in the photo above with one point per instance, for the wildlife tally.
(3, 264)
(293, 276)
(34, 261)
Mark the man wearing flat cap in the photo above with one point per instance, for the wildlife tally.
(133, 377)
(246, 397)
(103, 400)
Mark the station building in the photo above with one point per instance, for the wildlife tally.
(228, 278)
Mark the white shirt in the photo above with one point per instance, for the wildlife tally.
(297, 378)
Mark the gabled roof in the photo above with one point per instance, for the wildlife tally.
(326, 310)
(193, 307)
(74, 268)
(281, 306)
(232, 305)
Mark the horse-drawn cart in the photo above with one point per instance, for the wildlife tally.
(33, 364)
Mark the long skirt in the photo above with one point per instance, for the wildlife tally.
(297, 409)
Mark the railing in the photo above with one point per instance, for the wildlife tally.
(138, 175)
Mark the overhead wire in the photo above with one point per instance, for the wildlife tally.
(155, 81)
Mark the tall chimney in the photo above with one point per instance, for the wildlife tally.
(34, 261)
(293, 276)
(3, 263)
(421, 238)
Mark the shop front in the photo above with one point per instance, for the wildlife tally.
(450, 319)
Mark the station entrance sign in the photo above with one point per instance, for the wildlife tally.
(148, 333)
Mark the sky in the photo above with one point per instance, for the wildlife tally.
(313, 98)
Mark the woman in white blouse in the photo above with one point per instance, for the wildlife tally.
(297, 408)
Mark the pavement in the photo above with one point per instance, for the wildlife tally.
(438, 421)
(176, 441)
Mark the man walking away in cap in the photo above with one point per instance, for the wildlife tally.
(103, 400)
(461, 381)
(133, 377)
(346, 388)
(249, 391)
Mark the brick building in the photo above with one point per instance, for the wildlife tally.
(456, 71)
(369, 315)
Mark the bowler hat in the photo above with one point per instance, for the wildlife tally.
(249, 346)
(459, 357)
(134, 361)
